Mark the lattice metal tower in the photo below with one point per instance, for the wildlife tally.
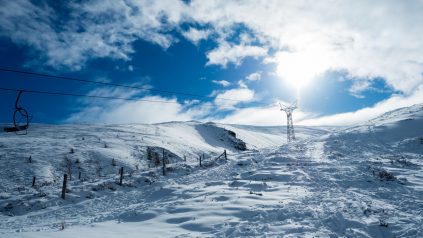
(290, 134)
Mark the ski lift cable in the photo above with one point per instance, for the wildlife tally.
(84, 95)
(108, 97)
(112, 84)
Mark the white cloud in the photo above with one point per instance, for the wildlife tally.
(254, 76)
(133, 112)
(149, 109)
(229, 98)
(358, 87)
(168, 109)
(362, 115)
(226, 53)
(94, 29)
(270, 116)
(261, 116)
(366, 39)
(242, 84)
(195, 36)
(223, 83)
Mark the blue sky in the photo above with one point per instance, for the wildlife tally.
(340, 69)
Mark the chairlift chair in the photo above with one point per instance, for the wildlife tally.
(20, 118)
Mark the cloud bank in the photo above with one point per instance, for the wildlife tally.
(365, 39)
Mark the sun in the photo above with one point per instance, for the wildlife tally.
(294, 70)
(300, 67)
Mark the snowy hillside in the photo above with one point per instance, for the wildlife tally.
(93, 148)
(258, 137)
(364, 181)
(400, 130)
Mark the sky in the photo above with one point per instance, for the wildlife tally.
(343, 62)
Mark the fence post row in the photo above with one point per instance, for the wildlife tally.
(65, 176)
(65, 180)
(163, 161)
(121, 176)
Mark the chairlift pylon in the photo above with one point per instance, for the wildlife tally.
(20, 118)
(290, 124)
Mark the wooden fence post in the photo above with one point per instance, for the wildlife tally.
(79, 175)
(200, 162)
(33, 181)
(226, 158)
(65, 180)
(163, 162)
(121, 176)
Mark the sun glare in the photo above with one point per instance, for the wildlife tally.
(299, 68)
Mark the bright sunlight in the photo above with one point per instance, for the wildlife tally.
(299, 68)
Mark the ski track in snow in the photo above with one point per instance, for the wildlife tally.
(318, 186)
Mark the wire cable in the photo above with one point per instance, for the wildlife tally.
(105, 97)
(112, 84)
(85, 95)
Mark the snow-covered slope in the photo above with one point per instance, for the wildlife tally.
(364, 181)
(400, 130)
(96, 147)
(258, 137)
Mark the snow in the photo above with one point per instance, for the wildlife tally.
(363, 181)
